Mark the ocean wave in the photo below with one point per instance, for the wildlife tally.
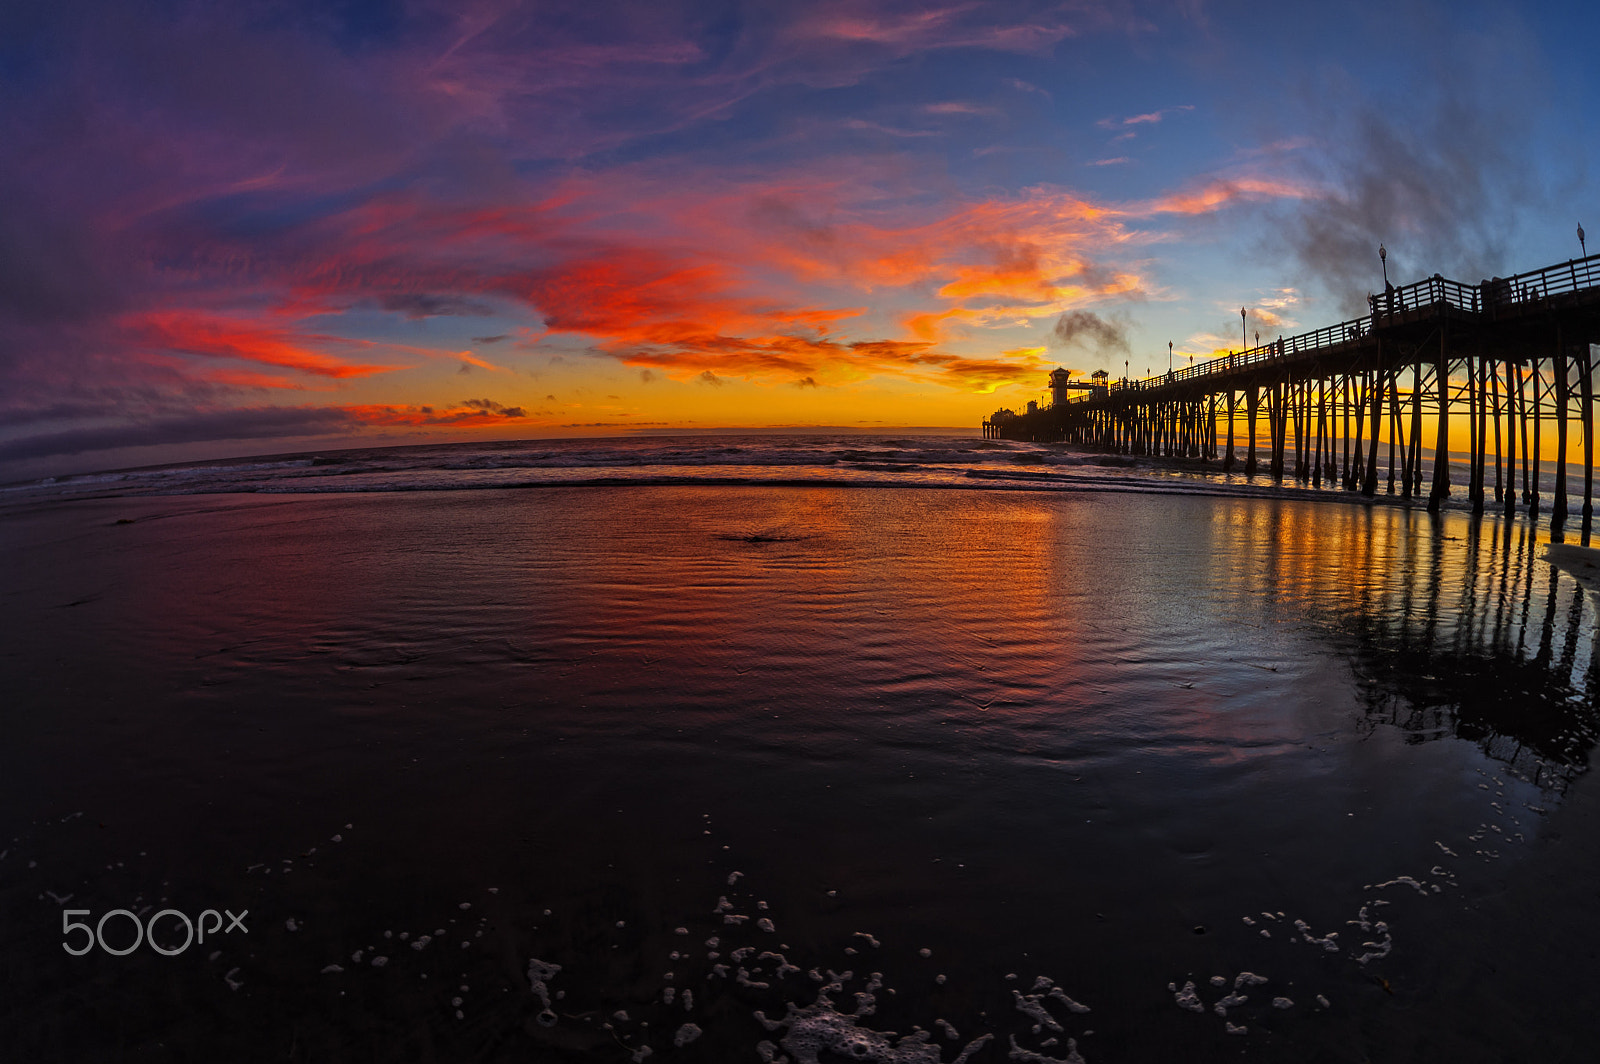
(820, 460)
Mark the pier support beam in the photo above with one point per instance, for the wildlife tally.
(1441, 450)
(1558, 510)
(1227, 463)
(1251, 403)
(1369, 485)
(1522, 429)
(1511, 439)
(1475, 429)
(1538, 419)
(1416, 430)
(1586, 397)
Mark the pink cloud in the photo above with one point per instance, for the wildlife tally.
(213, 337)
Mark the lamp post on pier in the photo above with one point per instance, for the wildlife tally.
(1244, 335)
(1169, 358)
(1581, 245)
(1383, 257)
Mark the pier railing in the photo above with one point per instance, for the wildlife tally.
(1435, 293)
(1574, 275)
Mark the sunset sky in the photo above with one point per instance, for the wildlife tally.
(240, 228)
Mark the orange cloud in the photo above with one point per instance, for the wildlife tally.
(213, 337)
(1225, 192)
(473, 360)
(706, 281)
(633, 294)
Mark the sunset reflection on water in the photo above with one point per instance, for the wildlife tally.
(1061, 732)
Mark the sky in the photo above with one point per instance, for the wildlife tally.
(255, 228)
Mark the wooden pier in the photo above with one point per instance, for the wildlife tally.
(1376, 400)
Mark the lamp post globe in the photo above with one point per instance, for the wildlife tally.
(1383, 257)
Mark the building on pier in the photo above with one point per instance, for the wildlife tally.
(1060, 383)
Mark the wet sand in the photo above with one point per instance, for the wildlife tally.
(1016, 731)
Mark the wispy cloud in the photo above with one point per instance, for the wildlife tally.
(1027, 86)
(213, 337)
(1149, 118)
(957, 107)
(955, 26)
(1219, 193)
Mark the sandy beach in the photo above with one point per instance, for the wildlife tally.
(435, 741)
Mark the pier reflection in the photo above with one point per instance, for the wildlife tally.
(1454, 626)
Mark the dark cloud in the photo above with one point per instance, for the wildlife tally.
(1441, 177)
(51, 269)
(489, 406)
(707, 377)
(491, 339)
(432, 305)
(805, 382)
(647, 375)
(466, 368)
(248, 423)
(1086, 329)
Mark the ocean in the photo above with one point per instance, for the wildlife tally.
(801, 748)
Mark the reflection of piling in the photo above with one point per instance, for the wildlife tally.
(1476, 637)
